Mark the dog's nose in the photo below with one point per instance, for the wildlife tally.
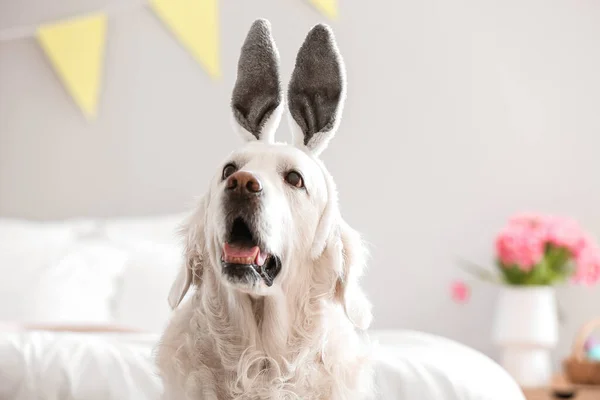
(244, 182)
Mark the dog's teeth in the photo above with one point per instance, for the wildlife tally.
(239, 260)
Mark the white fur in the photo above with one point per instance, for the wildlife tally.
(301, 338)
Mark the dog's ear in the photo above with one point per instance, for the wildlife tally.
(341, 246)
(347, 289)
(317, 90)
(190, 272)
(257, 100)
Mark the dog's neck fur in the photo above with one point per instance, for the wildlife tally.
(272, 337)
(296, 343)
(263, 323)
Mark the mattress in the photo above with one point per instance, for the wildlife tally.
(107, 366)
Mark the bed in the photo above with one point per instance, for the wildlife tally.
(107, 366)
(83, 302)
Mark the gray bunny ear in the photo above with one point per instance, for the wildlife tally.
(257, 100)
(317, 90)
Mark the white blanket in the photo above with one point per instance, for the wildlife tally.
(82, 366)
(69, 366)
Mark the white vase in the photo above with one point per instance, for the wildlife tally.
(526, 328)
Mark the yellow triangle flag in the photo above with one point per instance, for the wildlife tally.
(76, 49)
(327, 7)
(195, 24)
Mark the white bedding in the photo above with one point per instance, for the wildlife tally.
(78, 366)
(69, 366)
(118, 273)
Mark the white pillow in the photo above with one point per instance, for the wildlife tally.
(67, 272)
(56, 272)
(79, 288)
(141, 301)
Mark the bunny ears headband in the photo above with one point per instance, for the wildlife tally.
(316, 91)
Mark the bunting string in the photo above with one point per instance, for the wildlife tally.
(75, 47)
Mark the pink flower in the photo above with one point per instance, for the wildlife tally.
(588, 266)
(460, 292)
(521, 245)
(584, 241)
(564, 232)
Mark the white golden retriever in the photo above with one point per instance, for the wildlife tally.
(277, 311)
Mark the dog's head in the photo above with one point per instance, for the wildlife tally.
(271, 211)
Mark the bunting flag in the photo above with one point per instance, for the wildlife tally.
(195, 24)
(327, 7)
(75, 48)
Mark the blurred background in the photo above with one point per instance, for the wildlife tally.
(459, 114)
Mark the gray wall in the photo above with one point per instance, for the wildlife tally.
(459, 113)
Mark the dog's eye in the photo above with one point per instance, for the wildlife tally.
(228, 170)
(294, 179)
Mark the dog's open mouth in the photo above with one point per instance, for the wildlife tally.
(242, 257)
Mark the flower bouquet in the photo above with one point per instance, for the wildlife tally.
(545, 250)
(538, 250)
(533, 253)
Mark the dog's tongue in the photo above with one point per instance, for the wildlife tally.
(236, 254)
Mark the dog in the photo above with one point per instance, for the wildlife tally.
(277, 311)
